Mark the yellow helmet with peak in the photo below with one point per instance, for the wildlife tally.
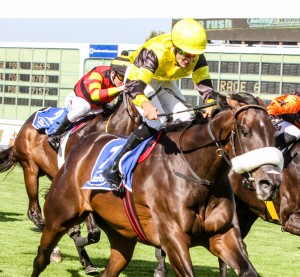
(119, 64)
(189, 36)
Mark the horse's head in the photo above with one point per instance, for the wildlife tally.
(253, 149)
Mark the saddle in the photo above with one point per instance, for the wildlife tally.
(127, 163)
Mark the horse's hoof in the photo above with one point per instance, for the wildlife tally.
(160, 273)
(91, 270)
(56, 255)
(40, 225)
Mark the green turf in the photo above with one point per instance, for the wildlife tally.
(273, 253)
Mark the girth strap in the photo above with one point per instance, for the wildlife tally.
(132, 216)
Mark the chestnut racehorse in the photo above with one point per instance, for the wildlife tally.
(33, 153)
(176, 211)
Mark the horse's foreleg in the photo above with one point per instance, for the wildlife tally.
(93, 233)
(228, 248)
(48, 242)
(222, 268)
(31, 180)
(122, 249)
(177, 250)
(290, 213)
(161, 268)
(84, 259)
(292, 224)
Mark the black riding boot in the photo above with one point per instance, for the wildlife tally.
(54, 138)
(111, 174)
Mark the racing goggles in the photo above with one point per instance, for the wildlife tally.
(120, 76)
(184, 54)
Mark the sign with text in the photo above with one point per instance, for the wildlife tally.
(252, 29)
(103, 51)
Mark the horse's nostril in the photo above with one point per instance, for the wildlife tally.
(264, 184)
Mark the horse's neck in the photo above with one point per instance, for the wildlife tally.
(124, 121)
(96, 125)
(216, 131)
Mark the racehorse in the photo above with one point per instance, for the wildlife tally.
(175, 211)
(33, 153)
(283, 210)
(286, 206)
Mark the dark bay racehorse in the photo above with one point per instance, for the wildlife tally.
(283, 210)
(289, 212)
(175, 212)
(33, 153)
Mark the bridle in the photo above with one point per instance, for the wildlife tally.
(248, 180)
(234, 133)
(220, 151)
(131, 116)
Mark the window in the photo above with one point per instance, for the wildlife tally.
(9, 101)
(50, 103)
(23, 102)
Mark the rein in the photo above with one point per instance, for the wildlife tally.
(132, 117)
(220, 151)
(196, 179)
(236, 126)
(247, 178)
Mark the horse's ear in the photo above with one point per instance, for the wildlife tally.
(261, 102)
(221, 100)
(233, 103)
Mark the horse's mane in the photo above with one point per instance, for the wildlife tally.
(242, 97)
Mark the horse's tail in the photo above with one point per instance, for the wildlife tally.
(7, 159)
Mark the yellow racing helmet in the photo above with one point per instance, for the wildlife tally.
(119, 64)
(189, 36)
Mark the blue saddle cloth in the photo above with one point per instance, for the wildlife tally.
(106, 157)
(49, 119)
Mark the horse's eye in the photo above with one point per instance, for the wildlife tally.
(245, 132)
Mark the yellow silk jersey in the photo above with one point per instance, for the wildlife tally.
(156, 59)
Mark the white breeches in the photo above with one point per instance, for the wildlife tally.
(166, 100)
(77, 107)
(288, 128)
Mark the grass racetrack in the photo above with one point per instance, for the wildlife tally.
(273, 253)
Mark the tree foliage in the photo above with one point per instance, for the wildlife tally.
(154, 34)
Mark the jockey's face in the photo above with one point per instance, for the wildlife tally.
(183, 59)
(118, 79)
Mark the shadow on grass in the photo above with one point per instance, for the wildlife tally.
(35, 229)
(138, 268)
(6, 217)
(74, 273)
